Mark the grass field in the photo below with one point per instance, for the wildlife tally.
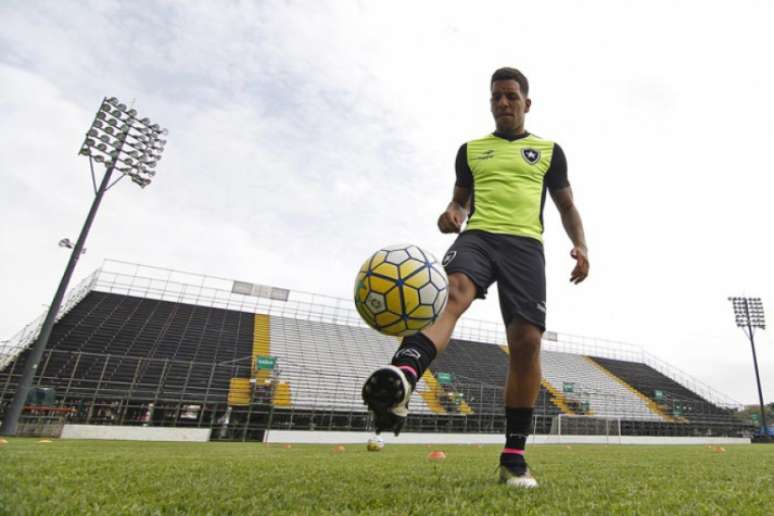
(108, 477)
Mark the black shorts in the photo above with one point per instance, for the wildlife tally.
(516, 263)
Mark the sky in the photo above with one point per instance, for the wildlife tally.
(306, 135)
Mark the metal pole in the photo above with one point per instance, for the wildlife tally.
(11, 419)
(755, 363)
(760, 392)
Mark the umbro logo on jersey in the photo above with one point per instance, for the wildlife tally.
(486, 155)
(531, 156)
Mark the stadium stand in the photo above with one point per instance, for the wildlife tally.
(187, 338)
(478, 371)
(326, 364)
(668, 395)
(592, 391)
(140, 345)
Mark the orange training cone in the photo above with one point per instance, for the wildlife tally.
(436, 456)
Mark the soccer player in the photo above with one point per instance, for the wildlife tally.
(500, 189)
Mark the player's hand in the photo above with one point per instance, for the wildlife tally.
(581, 269)
(451, 220)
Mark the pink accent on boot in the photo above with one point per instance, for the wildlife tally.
(409, 369)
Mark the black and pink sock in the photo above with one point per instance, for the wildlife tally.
(518, 422)
(414, 356)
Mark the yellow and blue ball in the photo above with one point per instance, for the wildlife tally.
(400, 290)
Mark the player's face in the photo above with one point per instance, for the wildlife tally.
(509, 105)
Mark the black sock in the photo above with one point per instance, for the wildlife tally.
(518, 423)
(414, 356)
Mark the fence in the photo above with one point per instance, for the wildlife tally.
(160, 392)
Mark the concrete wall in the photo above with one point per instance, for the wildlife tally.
(135, 433)
(300, 436)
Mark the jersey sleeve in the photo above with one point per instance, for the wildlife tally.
(556, 176)
(464, 174)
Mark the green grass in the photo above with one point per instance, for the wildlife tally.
(104, 477)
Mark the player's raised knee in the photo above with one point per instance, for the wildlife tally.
(462, 292)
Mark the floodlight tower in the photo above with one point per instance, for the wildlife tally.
(749, 316)
(125, 143)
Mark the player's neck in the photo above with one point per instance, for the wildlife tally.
(511, 133)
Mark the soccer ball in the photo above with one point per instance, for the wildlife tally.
(375, 443)
(400, 290)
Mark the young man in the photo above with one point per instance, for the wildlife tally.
(501, 185)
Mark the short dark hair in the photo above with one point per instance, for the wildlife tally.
(508, 74)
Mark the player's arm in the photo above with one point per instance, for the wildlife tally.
(452, 219)
(573, 225)
(561, 193)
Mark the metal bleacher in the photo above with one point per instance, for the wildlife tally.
(144, 345)
(599, 393)
(118, 354)
(478, 370)
(674, 398)
(326, 364)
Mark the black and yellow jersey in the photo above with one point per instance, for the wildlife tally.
(508, 179)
